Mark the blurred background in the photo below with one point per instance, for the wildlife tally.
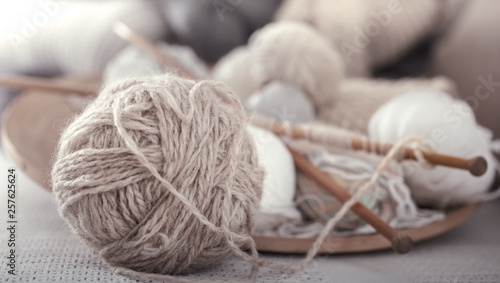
(457, 39)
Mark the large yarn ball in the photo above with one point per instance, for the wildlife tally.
(449, 126)
(158, 175)
(296, 53)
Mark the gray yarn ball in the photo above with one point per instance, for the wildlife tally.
(201, 25)
(282, 101)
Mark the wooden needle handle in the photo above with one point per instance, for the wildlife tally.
(477, 166)
(151, 49)
(23, 82)
(400, 243)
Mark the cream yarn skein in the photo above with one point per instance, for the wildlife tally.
(159, 175)
(450, 127)
(296, 53)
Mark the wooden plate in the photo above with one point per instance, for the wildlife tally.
(31, 127)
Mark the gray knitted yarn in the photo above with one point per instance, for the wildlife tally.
(159, 175)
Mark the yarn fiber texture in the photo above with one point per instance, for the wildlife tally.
(159, 175)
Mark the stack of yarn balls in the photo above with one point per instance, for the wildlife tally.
(289, 72)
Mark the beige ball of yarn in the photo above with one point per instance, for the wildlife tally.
(159, 175)
(336, 20)
(233, 69)
(296, 53)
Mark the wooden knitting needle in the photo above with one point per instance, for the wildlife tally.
(477, 166)
(26, 82)
(150, 48)
(400, 243)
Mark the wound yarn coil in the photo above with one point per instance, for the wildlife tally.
(159, 175)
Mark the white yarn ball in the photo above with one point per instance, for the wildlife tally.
(279, 181)
(234, 70)
(282, 101)
(296, 53)
(450, 127)
(133, 62)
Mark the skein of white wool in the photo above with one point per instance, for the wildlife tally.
(296, 53)
(75, 38)
(233, 69)
(283, 102)
(133, 62)
(449, 126)
(278, 191)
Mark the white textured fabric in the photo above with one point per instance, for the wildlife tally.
(48, 252)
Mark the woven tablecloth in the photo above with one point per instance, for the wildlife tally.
(48, 252)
